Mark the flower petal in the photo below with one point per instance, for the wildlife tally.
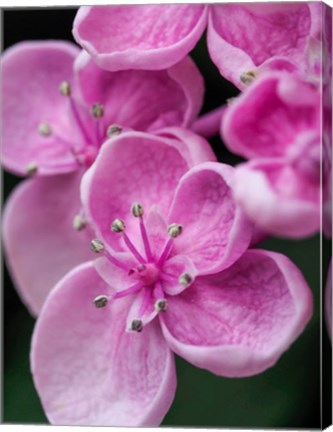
(238, 322)
(163, 35)
(215, 231)
(142, 308)
(193, 147)
(88, 370)
(40, 242)
(140, 99)
(247, 39)
(31, 75)
(279, 200)
(270, 115)
(134, 167)
(172, 269)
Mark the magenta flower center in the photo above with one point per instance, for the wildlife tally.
(151, 275)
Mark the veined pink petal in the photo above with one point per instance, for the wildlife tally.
(40, 242)
(133, 168)
(238, 322)
(277, 198)
(93, 372)
(31, 75)
(143, 99)
(163, 34)
(193, 147)
(240, 39)
(269, 116)
(215, 231)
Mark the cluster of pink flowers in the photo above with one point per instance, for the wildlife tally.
(119, 166)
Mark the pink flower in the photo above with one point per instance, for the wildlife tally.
(175, 274)
(58, 109)
(276, 124)
(240, 37)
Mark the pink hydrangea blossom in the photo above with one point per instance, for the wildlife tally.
(58, 109)
(174, 276)
(241, 37)
(276, 124)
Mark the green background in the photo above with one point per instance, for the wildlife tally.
(285, 396)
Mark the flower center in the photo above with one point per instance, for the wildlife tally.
(83, 153)
(150, 275)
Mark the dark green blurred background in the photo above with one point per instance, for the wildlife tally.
(286, 396)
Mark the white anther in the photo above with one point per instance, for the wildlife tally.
(65, 88)
(137, 210)
(79, 223)
(31, 168)
(97, 110)
(174, 230)
(118, 226)
(97, 246)
(161, 305)
(44, 130)
(101, 301)
(185, 280)
(113, 130)
(136, 325)
(248, 76)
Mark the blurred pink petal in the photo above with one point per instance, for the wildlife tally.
(242, 37)
(31, 75)
(277, 198)
(41, 245)
(163, 35)
(143, 100)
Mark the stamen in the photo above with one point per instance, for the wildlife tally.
(161, 305)
(44, 129)
(128, 291)
(166, 252)
(185, 280)
(133, 249)
(65, 88)
(31, 168)
(136, 325)
(175, 230)
(137, 210)
(113, 130)
(101, 301)
(118, 226)
(97, 110)
(248, 77)
(97, 246)
(79, 222)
